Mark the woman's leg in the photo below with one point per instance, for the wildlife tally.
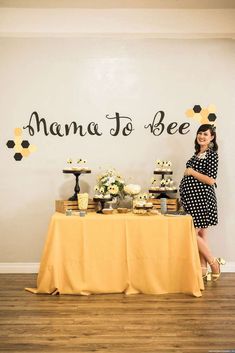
(203, 261)
(202, 232)
(206, 254)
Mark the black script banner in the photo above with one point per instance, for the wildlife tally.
(123, 125)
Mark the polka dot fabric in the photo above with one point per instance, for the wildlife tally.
(199, 199)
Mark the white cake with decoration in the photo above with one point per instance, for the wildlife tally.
(76, 165)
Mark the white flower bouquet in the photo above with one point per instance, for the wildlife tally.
(110, 182)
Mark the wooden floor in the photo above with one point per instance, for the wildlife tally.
(115, 322)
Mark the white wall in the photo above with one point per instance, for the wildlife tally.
(83, 79)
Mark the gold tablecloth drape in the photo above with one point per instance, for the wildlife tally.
(120, 253)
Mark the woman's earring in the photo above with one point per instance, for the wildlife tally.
(211, 144)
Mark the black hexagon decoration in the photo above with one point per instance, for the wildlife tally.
(10, 144)
(212, 117)
(25, 144)
(18, 156)
(197, 109)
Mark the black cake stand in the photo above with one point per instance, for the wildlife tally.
(77, 174)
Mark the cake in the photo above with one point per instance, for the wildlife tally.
(78, 165)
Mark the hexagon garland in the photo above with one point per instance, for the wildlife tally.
(202, 115)
(22, 148)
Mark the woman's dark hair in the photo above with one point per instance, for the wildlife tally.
(204, 128)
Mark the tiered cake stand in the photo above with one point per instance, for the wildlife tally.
(163, 193)
(77, 174)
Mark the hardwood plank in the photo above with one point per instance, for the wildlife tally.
(115, 323)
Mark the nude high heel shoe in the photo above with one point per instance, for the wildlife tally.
(206, 276)
(216, 276)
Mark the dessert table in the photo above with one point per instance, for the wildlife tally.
(120, 253)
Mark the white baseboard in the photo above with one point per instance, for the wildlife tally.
(33, 267)
(19, 267)
(228, 267)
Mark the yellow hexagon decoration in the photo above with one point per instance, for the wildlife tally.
(18, 148)
(189, 113)
(32, 148)
(202, 117)
(18, 131)
(25, 152)
(211, 108)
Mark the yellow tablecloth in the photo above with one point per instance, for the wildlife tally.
(120, 253)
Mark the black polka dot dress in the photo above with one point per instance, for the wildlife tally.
(199, 199)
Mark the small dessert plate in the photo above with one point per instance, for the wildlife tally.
(122, 210)
(107, 211)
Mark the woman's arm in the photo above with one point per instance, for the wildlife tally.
(199, 176)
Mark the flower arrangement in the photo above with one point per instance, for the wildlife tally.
(110, 182)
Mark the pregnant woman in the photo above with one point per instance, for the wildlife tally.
(198, 198)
